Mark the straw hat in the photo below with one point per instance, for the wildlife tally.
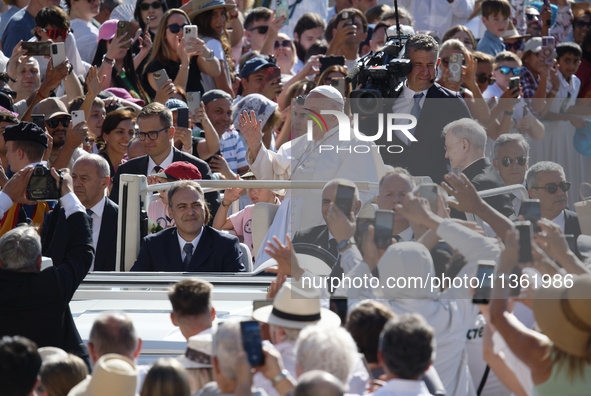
(198, 353)
(296, 308)
(196, 7)
(512, 33)
(564, 315)
(112, 375)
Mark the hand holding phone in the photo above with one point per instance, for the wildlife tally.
(525, 240)
(273, 73)
(344, 199)
(78, 117)
(531, 211)
(484, 272)
(160, 77)
(252, 342)
(384, 223)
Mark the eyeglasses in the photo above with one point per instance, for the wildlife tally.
(9, 92)
(521, 161)
(146, 6)
(259, 29)
(483, 78)
(55, 33)
(506, 70)
(531, 17)
(54, 122)
(516, 46)
(582, 24)
(284, 44)
(152, 135)
(175, 27)
(553, 187)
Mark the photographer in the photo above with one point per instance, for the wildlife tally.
(36, 303)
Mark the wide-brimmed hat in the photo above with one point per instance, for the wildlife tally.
(512, 33)
(198, 353)
(112, 375)
(196, 7)
(296, 308)
(564, 315)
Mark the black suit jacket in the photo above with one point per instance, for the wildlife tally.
(484, 177)
(571, 223)
(55, 236)
(426, 157)
(215, 252)
(139, 166)
(317, 235)
(36, 305)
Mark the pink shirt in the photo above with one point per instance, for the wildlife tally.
(242, 222)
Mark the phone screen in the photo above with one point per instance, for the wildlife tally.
(525, 240)
(344, 199)
(429, 192)
(484, 273)
(252, 342)
(182, 119)
(273, 73)
(530, 210)
(384, 223)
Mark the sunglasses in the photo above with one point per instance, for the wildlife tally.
(531, 17)
(260, 29)
(506, 70)
(146, 6)
(152, 135)
(553, 187)
(582, 24)
(9, 92)
(521, 161)
(55, 33)
(284, 44)
(175, 28)
(516, 46)
(483, 78)
(54, 122)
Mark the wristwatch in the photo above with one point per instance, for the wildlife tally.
(280, 377)
(342, 245)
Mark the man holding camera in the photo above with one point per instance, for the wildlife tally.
(36, 303)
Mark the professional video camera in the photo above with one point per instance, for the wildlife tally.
(380, 73)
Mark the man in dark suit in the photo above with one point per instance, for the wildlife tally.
(420, 96)
(192, 246)
(36, 303)
(91, 177)
(546, 181)
(465, 140)
(320, 235)
(156, 134)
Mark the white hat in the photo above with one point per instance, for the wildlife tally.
(534, 44)
(198, 353)
(113, 374)
(296, 308)
(50, 352)
(329, 92)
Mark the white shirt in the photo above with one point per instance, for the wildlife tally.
(151, 164)
(438, 15)
(566, 95)
(194, 242)
(403, 105)
(403, 387)
(70, 203)
(407, 235)
(97, 218)
(86, 35)
(560, 221)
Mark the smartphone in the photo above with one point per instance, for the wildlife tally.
(484, 272)
(530, 210)
(78, 117)
(344, 199)
(514, 83)
(525, 239)
(350, 16)
(339, 84)
(282, 10)
(39, 120)
(124, 29)
(190, 31)
(430, 192)
(327, 61)
(547, 53)
(36, 48)
(273, 73)
(455, 67)
(58, 54)
(161, 77)
(383, 225)
(182, 118)
(194, 101)
(252, 342)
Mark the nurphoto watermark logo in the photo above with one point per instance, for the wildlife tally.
(362, 142)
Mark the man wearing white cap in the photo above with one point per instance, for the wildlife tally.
(318, 155)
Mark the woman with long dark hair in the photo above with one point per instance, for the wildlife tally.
(117, 130)
(184, 61)
(149, 14)
(116, 62)
(210, 18)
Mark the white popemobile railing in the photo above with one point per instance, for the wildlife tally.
(134, 197)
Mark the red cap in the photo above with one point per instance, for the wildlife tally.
(180, 170)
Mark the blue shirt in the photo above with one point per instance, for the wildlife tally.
(490, 44)
(20, 27)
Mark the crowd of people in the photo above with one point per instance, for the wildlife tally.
(497, 93)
